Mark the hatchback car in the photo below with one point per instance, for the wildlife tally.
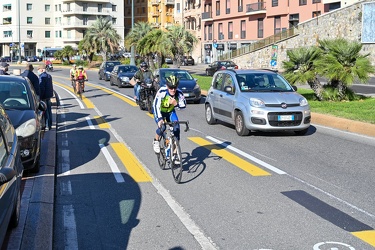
(187, 60)
(188, 85)
(220, 65)
(106, 68)
(256, 100)
(122, 74)
(25, 111)
(11, 171)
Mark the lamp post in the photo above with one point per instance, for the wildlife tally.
(132, 50)
(19, 31)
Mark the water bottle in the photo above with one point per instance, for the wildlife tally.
(168, 145)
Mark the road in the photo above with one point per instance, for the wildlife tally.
(264, 191)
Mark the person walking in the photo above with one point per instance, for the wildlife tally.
(32, 77)
(4, 68)
(46, 92)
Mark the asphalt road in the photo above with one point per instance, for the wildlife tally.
(264, 191)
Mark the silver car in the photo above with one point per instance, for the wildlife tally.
(256, 100)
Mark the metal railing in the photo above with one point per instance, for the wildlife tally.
(259, 44)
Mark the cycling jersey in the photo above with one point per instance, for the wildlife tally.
(80, 74)
(161, 102)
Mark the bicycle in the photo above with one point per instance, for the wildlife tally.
(80, 87)
(169, 145)
(74, 85)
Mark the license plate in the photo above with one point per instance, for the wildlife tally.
(230, 67)
(285, 117)
(186, 94)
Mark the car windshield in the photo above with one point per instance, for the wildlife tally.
(180, 74)
(112, 64)
(127, 69)
(262, 82)
(13, 95)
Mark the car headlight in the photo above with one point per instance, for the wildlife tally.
(125, 78)
(258, 103)
(196, 87)
(27, 128)
(303, 102)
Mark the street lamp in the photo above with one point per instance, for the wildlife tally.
(132, 50)
(19, 31)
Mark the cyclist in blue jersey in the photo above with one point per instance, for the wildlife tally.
(166, 100)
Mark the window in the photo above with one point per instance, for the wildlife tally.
(316, 13)
(47, 7)
(56, 34)
(243, 29)
(260, 27)
(302, 2)
(275, 3)
(29, 33)
(3, 151)
(218, 8)
(220, 31)
(100, 7)
(47, 20)
(55, 7)
(316, 1)
(84, 7)
(7, 33)
(59, 7)
(7, 20)
(60, 33)
(47, 34)
(277, 25)
(7, 7)
(29, 6)
(227, 7)
(240, 5)
(69, 34)
(114, 20)
(85, 20)
(209, 31)
(114, 8)
(230, 30)
(29, 20)
(218, 84)
(68, 7)
(56, 20)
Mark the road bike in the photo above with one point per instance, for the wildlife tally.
(74, 85)
(80, 87)
(170, 150)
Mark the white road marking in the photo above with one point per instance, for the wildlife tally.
(246, 155)
(65, 162)
(71, 241)
(72, 94)
(112, 164)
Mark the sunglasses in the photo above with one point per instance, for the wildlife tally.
(172, 88)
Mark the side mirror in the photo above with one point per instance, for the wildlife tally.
(7, 174)
(42, 106)
(195, 79)
(228, 89)
(294, 87)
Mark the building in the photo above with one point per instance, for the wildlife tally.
(52, 24)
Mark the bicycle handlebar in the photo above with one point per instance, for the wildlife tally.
(179, 122)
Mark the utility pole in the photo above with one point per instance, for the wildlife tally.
(19, 31)
(132, 49)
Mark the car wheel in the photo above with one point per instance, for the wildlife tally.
(100, 77)
(207, 74)
(301, 132)
(197, 101)
(119, 83)
(239, 124)
(15, 219)
(209, 115)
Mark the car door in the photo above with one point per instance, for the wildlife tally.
(214, 94)
(227, 99)
(113, 75)
(213, 68)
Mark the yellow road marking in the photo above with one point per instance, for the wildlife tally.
(131, 163)
(232, 158)
(132, 103)
(102, 123)
(367, 236)
(86, 101)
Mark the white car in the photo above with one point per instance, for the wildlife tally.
(127, 54)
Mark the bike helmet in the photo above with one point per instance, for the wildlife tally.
(172, 81)
(143, 65)
(80, 67)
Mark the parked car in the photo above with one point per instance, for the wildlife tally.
(33, 59)
(6, 59)
(25, 111)
(188, 85)
(220, 65)
(256, 100)
(122, 74)
(127, 54)
(187, 60)
(106, 68)
(11, 171)
(168, 60)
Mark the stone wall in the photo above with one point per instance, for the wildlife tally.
(345, 22)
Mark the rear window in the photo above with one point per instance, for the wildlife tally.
(13, 95)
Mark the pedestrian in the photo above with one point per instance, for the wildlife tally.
(4, 68)
(46, 92)
(32, 77)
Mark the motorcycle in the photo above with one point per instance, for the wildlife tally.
(49, 67)
(147, 94)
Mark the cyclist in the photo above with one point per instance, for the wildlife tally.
(80, 75)
(140, 76)
(167, 99)
(73, 71)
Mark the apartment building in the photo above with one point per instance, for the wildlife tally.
(52, 23)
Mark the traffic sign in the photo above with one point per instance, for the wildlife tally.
(11, 45)
(215, 45)
(273, 63)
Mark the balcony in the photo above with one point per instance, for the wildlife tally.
(155, 3)
(207, 16)
(77, 24)
(89, 11)
(256, 8)
(169, 2)
(155, 14)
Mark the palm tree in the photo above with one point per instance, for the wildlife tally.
(342, 64)
(152, 45)
(301, 69)
(179, 41)
(136, 34)
(103, 37)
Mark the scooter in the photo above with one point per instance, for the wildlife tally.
(49, 67)
(147, 93)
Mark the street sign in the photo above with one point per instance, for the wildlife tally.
(215, 45)
(273, 63)
(11, 45)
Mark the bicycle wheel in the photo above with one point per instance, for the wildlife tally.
(161, 156)
(176, 160)
(80, 90)
(74, 87)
